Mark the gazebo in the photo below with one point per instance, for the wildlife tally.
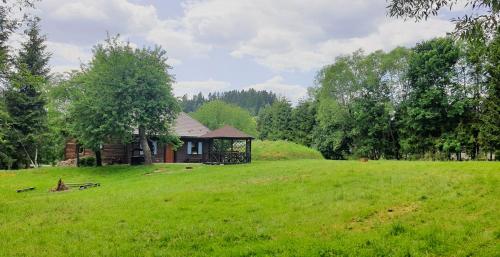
(228, 145)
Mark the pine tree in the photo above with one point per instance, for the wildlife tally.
(24, 101)
(33, 52)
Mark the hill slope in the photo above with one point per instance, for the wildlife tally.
(281, 208)
(282, 150)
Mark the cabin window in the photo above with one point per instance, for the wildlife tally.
(81, 150)
(194, 147)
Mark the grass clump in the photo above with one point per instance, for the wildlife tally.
(282, 150)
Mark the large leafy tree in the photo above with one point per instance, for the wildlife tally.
(490, 118)
(123, 91)
(356, 102)
(429, 110)
(216, 114)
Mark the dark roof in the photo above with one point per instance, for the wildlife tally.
(185, 126)
(227, 132)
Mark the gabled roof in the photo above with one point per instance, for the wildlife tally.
(227, 132)
(185, 126)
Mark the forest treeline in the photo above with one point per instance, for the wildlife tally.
(438, 100)
(251, 99)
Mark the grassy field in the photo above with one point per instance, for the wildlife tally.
(273, 208)
(282, 150)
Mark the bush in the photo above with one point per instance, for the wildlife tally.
(88, 161)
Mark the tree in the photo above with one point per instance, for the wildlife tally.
(216, 114)
(490, 116)
(25, 105)
(429, 110)
(275, 121)
(264, 122)
(482, 21)
(303, 122)
(11, 17)
(6, 147)
(251, 100)
(356, 102)
(24, 99)
(124, 90)
(33, 53)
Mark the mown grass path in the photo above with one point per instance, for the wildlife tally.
(280, 208)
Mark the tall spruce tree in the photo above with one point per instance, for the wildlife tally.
(24, 100)
(33, 54)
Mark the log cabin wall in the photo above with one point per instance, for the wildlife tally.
(71, 149)
(181, 154)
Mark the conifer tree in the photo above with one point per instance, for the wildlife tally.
(24, 100)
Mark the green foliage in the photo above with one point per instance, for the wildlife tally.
(282, 150)
(216, 114)
(303, 122)
(121, 90)
(23, 96)
(6, 147)
(490, 116)
(275, 122)
(251, 100)
(429, 109)
(87, 161)
(483, 18)
(33, 53)
(25, 106)
(356, 102)
(266, 208)
(12, 15)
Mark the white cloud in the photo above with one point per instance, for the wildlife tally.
(178, 42)
(79, 10)
(299, 35)
(276, 84)
(194, 87)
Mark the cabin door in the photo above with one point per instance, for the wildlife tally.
(169, 154)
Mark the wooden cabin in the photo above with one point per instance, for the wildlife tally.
(226, 145)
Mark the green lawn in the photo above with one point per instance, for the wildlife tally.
(275, 208)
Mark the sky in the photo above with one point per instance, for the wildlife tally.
(218, 45)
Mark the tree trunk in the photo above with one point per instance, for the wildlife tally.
(77, 155)
(148, 160)
(98, 159)
(36, 157)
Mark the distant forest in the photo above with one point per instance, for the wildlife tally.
(251, 100)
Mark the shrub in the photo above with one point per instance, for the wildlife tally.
(87, 161)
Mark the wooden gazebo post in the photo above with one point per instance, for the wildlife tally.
(248, 150)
